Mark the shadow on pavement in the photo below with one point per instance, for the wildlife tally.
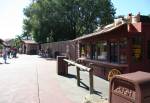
(50, 59)
(71, 76)
(7, 63)
(98, 93)
(83, 85)
(4, 63)
(46, 58)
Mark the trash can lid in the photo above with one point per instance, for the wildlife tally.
(136, 77)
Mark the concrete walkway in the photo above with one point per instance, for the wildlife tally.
(31, 79)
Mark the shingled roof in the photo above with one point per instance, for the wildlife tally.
(29, 41)
(105, 30)
(3, 42)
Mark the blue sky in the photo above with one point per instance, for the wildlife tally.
(132, 6)
(11, 13)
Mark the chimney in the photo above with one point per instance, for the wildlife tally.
(129, 18)
(118, 21)
(138, 16)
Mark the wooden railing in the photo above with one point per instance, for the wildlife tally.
(79, 68)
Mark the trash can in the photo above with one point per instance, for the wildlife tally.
(56, 54)
(62, 66)
(130, 88)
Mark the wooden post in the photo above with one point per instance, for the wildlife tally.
(78, 76)
(91, 81)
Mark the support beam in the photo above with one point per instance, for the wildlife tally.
(91, 81)
(78, 76)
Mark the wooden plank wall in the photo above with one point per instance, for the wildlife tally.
(67, 48)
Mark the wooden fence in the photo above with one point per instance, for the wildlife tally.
(64, 48)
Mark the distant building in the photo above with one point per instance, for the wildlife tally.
(9, 42)
(30, 47)
(1, 42)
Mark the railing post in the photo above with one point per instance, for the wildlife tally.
(78, 76)
(91, 81)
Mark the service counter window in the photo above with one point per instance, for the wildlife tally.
(123, 50)
(136, 49)
(88, 49)
(118, 51)
(101, 51)
(93, 51)
(85, 51)
(123, 43)
(123, 58)
(82, 50)
(114, 52)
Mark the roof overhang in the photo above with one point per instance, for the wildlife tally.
(103, 31)
(29, 42)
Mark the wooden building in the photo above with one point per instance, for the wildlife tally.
(30, 47)
(121, 47)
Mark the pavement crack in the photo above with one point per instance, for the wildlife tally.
(38, 88)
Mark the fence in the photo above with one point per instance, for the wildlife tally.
(64, 48)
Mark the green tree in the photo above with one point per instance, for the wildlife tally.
(66, 19)
(17, 41)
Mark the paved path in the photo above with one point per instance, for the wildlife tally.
(31, 79)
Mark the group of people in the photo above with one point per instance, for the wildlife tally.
(45, 53)
(9, 53)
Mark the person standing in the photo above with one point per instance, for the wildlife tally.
(5, 54)
(8, 52)
(20, 50)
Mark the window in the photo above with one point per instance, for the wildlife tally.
(136, 49)
(82, 50)
(85, 51)
(123, 43)
(88, 50)
(101, 50)
(114, 52)
(93, 51)
(123, 58)
(122, 50)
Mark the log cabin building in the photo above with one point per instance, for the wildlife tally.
(121, 47)
(30, 47)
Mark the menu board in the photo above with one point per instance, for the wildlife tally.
(136, 49)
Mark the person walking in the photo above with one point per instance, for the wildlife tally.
(8, 52)
(5, 54)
